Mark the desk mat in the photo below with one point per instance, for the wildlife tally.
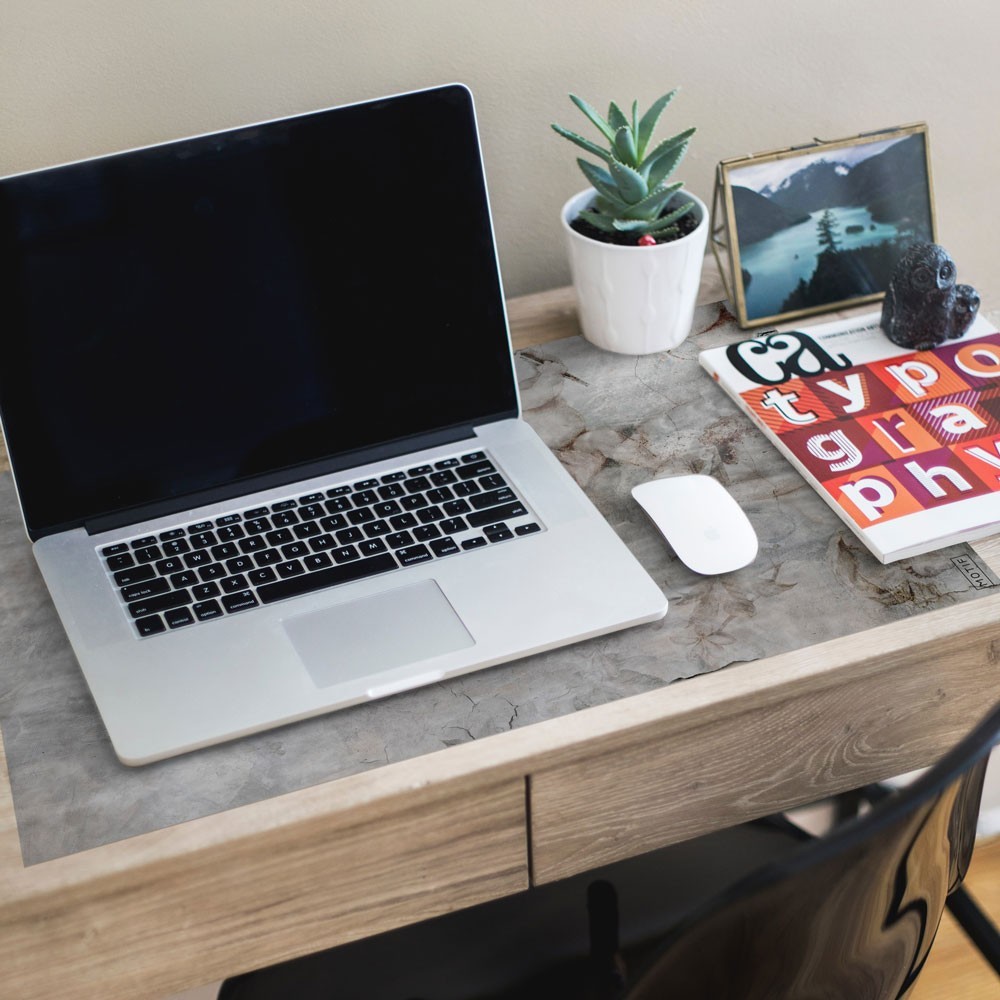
(614, 421)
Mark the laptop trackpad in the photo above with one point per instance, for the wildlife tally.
(364, 637)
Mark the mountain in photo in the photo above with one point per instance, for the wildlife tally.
(758, 217)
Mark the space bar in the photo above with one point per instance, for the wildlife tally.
(323, 578)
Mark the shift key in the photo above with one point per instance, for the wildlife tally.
(503, 513)
(162, 602)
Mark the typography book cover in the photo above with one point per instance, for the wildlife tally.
(903, 445)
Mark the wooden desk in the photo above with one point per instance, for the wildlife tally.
(292, 874)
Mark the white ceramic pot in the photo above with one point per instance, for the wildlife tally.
(635, 300)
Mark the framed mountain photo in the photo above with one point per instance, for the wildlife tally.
(814, 228)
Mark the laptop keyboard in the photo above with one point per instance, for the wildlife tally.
(259, 555)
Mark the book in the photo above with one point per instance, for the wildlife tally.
(903, 445)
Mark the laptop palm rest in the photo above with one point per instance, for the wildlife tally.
(362, 638)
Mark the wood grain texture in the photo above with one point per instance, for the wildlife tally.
(165, 921)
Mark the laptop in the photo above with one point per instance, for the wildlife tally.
(260, 406)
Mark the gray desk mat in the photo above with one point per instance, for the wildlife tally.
(614, 421)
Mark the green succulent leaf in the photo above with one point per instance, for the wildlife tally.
(648, 122)
(594, 116)
(603, 222)
(671, 218)
(665, 148)
(650, 207)
(616, 119)
(631, 225)
(635, 118)
(590, 147)
(631, 184)
(604, 184)
(625, 146)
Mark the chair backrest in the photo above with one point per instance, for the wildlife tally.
(850, 915)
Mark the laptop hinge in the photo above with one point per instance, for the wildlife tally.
(255, 484)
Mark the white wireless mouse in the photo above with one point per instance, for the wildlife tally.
(704, 525)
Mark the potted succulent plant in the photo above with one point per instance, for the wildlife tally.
(636, 242)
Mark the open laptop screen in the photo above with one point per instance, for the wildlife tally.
(193, 315)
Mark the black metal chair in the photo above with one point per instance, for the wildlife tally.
(782, 916)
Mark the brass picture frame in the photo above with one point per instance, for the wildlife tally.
(820, 226)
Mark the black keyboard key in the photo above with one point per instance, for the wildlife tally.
(252, 544)
(213, 571)
(455, 507)
(259, 576)
(365, 498)
(319, 561)
(287, 569)
(412, 555)
(283, 505)
(349, 535)
(474, 456)
(419, 470)
(446, 463)
(226, 519)
(149, 554)
(204, 591)
(413, 502)
(240, 564)
(443, 478)
(230, 533)
(480, 517)
(474, 543)
(321, 542)
(452, 525)
(254, 512)
(391, 491)
(309, 582)
(393, 477)
(267, 558)
(347, 553)
(444, 547)
(175, 547)
(149, 588)
(426, 532)
(204, 539)
(308, 529)
(114, 550)
(429, 514)
(162, 602)
(494, 482)
(501, 535)
(135, 575)
(311, 498)
(283, 518)
(233, 583)
(527, 529)
(338, 491)
(465, 489)
(150, 625)
(337, 504)
(475, 470)
(401, 521)
(226, 551)
(179, 617)
(377, 528)
(361, 515)
(294, 550)
(386, 508)
(333, 522)
(417, 485)
(239, 602)
(144, 542)
(186, 578)
(279, 537)
(440, 495)
(398, 539)
(371, 547)
(492, 498)
(197, 529)
(167, 566)
(169, 536)
(366, 484)
(201, 557)
(311, 511)
(121, 561)
(258, 525)
(207, 610)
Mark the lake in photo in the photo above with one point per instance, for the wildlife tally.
(777, 264)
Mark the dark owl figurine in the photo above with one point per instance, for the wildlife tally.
(923, 306)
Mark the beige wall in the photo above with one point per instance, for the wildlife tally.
(83, 77)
